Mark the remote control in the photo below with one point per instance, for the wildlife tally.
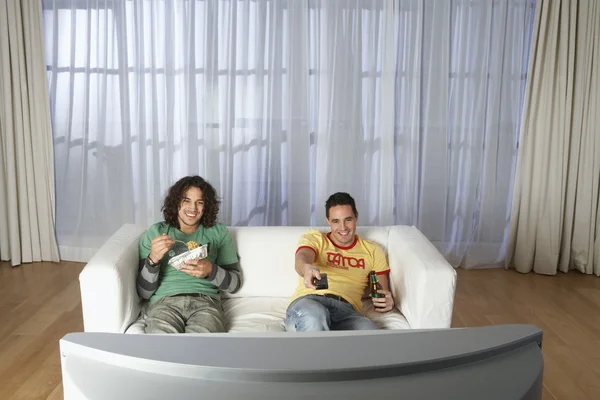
(321, 283)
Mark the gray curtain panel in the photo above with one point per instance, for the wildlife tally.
(555, 208)
(27, 204)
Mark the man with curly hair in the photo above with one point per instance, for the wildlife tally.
(187, 299)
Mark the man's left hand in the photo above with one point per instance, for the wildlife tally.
(383, 304)
(197, 268)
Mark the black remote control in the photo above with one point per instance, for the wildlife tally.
(321, 283)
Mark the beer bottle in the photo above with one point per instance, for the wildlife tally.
(374, 285)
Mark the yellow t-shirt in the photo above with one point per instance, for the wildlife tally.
(347, 268)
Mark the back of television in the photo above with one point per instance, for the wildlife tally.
(470, 363)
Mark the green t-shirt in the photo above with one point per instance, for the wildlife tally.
(221, 251)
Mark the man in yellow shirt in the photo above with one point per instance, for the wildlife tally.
(347, 260)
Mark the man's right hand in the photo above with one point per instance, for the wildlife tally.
(311, 272)
(159, 247)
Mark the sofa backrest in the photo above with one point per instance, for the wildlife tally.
(267, 256)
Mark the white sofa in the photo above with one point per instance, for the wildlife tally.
(422, 282)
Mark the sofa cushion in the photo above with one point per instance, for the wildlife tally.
(267, 314)
(255, 314)
(390, 320)
(267, 274)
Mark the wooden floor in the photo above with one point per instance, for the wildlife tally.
(40, 303)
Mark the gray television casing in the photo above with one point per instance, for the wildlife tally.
(496, 362)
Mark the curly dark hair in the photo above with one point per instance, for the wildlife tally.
(340, 199)
(172, 202)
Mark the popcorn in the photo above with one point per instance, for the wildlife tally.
(192, 245)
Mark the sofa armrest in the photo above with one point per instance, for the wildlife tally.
(422, 281)
(109, 299)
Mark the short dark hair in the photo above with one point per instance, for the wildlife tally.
(340, 199)
(170, 208)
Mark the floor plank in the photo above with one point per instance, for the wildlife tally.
(566, 307)
(40, 303)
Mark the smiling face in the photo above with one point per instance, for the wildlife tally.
(342, 222)
(190, 210)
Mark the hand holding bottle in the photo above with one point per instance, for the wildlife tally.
(382, 299)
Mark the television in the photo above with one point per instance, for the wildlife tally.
(495, 362)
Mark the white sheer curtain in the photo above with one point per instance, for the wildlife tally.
(413, 107)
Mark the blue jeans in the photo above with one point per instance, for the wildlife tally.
(319, 313)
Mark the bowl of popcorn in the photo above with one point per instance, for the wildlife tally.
(194, 252)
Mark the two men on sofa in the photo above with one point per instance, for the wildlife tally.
(186, 299)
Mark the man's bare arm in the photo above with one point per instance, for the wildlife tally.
(305, 258)
(385, 281)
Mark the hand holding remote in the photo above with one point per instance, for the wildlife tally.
(311, 272)
(322, 283)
